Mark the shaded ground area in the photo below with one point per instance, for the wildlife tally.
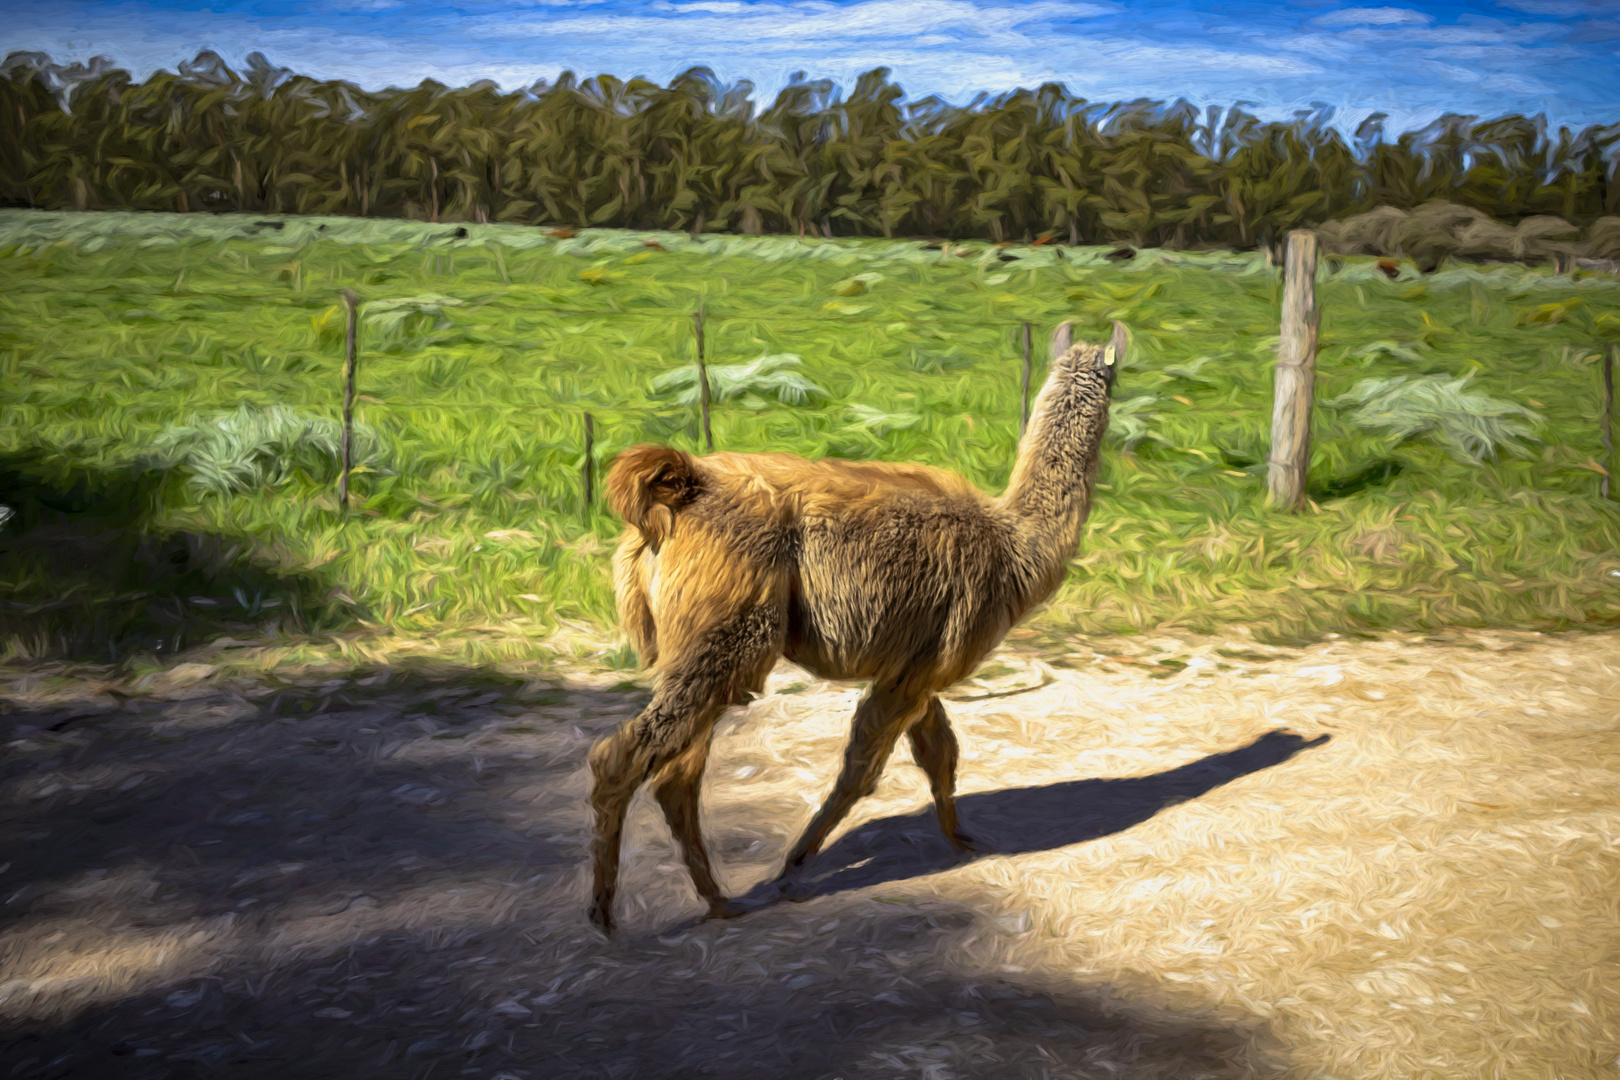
(1198, 858)
(83, 573)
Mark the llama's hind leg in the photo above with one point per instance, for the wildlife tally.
(879, 720)
(933, 744)
(677, 792)
(689, 698)
(678, 715)
(619, 763)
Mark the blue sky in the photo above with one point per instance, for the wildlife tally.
(1413, 61)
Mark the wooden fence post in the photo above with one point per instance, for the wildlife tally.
(1023, 416)
(349, 301)
(1608, 418)
(589, 470)
(1290, 460)
(703, 380)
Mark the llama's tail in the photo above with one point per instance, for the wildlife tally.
(648, 485)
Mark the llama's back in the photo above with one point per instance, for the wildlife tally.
(916, 582)
(893, 567)
(888, 568)
(828, 485)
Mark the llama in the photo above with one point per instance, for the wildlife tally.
(903, 575)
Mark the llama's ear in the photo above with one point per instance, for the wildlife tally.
(1062, 338)
(1114, 355)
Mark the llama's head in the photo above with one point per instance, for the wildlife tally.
(1089, 364)
(1071, 413)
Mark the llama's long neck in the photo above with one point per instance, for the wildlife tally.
(1049, 494)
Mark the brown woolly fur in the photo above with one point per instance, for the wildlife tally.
(898, 574)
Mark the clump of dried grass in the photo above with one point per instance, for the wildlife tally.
(1437, 229)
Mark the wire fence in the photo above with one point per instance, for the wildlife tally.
(1292, 402)
(1293, 397)
(698, 319)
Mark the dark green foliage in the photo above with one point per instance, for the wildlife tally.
(696, 156)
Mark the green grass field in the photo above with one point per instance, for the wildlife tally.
(138, 519)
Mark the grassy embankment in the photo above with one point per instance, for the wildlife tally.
(115, 328)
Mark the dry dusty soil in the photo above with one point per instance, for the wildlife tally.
(1199, 858)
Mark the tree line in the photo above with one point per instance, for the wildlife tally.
(700, 155)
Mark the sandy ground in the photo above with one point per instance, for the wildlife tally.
(1363, 859)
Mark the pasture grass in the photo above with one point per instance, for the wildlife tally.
(480, 355)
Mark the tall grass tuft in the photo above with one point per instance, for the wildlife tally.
(256, 447)
(768, 376)
(1472, 426)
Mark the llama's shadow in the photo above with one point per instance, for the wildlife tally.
(1015, 821)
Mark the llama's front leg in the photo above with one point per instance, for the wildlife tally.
(933, 744)
(677, 791)
(879, 720)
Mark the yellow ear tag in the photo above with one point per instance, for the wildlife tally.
(1108, 356)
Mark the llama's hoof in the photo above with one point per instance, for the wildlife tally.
(963, 843)
(726, 909)
(792, 888)
(601, 916)
(792, 871)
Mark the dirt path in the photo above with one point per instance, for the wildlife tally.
(246, 877)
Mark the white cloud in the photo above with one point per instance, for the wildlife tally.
(1473, 34)
(1508, 56)
(1172, 58)
(709, 20)
(1379, 16)
(718, 7)
(1517, 83)
(818, 35)
(1317, 44)
(1561, 8)
(1457, 74)
(968, 45)
(962, 73)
